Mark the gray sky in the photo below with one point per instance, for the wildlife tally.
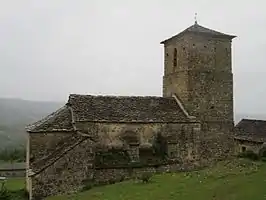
(50, 48)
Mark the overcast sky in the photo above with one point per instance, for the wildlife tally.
(50, 48)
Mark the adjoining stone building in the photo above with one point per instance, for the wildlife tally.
(106, 138)
(250, 134)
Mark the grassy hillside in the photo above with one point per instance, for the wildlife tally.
(235, 180)
(15, 114)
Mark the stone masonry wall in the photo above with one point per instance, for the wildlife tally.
(42, 144)
(66, 174)
(112, 134)
(68, 181)
(203, 80)
(182, 136)
(249, 145)
(76, 168)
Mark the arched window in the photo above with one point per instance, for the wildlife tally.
(175, 58)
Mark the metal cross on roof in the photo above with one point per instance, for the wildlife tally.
(195, 17)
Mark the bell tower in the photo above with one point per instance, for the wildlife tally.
(198, 70)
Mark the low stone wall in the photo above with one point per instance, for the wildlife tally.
(118, 174)
(50, 182)
(107, 176)
(13, 172)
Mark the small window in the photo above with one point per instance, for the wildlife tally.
(32, 159)
(244, 149)
(175, 58)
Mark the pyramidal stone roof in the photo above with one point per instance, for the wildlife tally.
(198, 29)
(90, 108)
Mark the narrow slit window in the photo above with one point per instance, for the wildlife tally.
(175, 57)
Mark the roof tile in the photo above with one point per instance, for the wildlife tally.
(251, 129)
(125, 108)
(111, 109)
(57, 121)
(196, 28)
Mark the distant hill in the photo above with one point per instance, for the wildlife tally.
(15, 114)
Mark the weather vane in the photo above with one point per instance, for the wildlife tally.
(195, 17)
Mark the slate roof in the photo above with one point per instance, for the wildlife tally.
(111, 109)
(125, 108)
(198, 29)
(60, 120)
(251, 130)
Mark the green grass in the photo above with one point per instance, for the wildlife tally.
(15, 189)
(234, 180)
(14, 184)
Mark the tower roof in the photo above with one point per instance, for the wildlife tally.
(198, 29)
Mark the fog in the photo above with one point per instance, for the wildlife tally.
(50, 48)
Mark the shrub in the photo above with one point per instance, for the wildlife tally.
(112, 181)
(18, 154)
(145, 177)
(160, 146)
(122, 178)
(250, 155)
(19, 195)
(263, 159)
(262, 154)
(4, 194)
(87, 185)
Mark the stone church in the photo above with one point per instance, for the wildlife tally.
(104, 139)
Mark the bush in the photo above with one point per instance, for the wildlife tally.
(18, 154)
(263, 159)
(4, 194)
(262, 154)
(145, 177)
(19, 195)
(250, 155)
(122, 178)
(112, 181)
(87, 185)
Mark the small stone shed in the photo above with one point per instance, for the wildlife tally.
(250, 134)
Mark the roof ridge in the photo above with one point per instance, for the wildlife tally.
(206, 28)
(72, 96)
(246, 119)
(123, 96)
